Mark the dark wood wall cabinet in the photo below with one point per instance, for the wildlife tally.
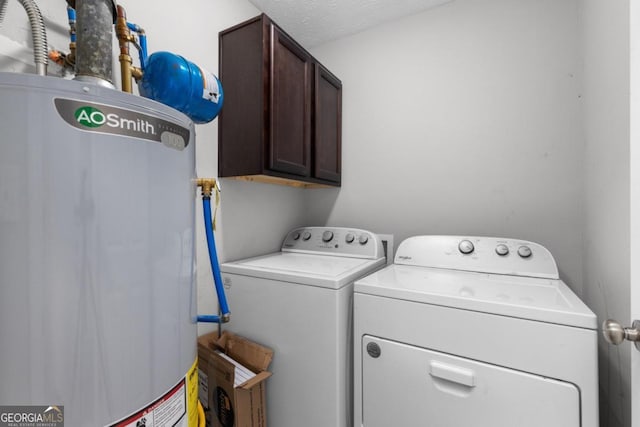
(281, 121)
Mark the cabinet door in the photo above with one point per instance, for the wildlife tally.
(290, 133)
(327, 161)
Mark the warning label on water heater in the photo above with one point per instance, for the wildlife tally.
(178, 407)
(166, 411)
(101, 118)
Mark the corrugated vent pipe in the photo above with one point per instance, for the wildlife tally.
(38, 33)
(94, 34)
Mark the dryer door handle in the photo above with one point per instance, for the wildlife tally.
(451, 373)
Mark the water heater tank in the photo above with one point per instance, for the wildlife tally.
(97, 296)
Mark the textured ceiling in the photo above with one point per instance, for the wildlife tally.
(313, 22)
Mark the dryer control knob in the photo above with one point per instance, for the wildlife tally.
(502, 249)
(296, 235)
(524, 251)
(466, 247)
(349, 238)
(306, 235)
(363, 239)
(327, 236)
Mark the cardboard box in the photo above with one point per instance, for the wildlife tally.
(226, 405)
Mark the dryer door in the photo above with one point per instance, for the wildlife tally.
(404, 385)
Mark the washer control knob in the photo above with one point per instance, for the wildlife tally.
(349, 238)
(502, 249)
(363, 239)
(296, 235)
(327, 236)
(524, 251)
(306, 235)
(466, 247)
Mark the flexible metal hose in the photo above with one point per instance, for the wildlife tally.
(3, 9)
(38, 33)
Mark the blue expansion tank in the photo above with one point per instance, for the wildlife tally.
(179, 83)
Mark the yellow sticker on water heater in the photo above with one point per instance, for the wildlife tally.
(192, 395)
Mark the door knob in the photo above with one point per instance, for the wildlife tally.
(615, 333)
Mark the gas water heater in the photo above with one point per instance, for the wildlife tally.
(97, 295)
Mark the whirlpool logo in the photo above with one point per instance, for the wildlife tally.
(32, 416)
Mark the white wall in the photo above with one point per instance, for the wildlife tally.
(605, 42)
(634, 135)
(253, 218)
(464, 119)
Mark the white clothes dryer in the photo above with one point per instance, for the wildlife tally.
(299, 302)
(472, 331)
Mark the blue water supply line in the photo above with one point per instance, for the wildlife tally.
(142, 38)
(215, 267)
(71, 15)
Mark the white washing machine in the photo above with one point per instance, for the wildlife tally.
(478, 331)
(299, 302)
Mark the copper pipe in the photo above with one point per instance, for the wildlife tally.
(71, 57)
(124, 38)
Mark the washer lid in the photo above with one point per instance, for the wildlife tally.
(545, 300)
(316, 270)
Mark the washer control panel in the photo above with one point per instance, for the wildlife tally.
(479, 254)
(334, 241)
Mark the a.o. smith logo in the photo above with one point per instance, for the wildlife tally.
(92, 117)
(32, 416)
(109, 119)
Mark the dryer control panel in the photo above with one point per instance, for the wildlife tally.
(340, 241)
(479, 254)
